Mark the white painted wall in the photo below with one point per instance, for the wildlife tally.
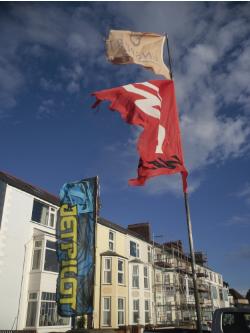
(15, 233)
(16, 250)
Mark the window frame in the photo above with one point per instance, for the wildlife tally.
(147, 311)
(50, 309)
(112, 241)
(39, 249)
(134, 310)
(137, 249)
(32, 301)
(135, 277)
(121, 272)
(107, 270)
(146, 277)
(150, 254)
(45, 251)
(123, 311)
(51, 211)
(106, 310)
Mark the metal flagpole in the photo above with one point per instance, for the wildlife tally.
(191, 246)
(190, 234)
(169, 59)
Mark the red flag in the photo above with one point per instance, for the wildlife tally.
(151, 105)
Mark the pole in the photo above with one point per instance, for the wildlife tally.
(189, 225)
(169, 59)
(90, 317)
(73, 322)
(191, 246)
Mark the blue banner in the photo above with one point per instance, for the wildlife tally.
(76, 247)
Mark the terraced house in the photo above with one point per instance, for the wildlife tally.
(136, 280)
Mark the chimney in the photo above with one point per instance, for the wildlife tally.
(142, 229)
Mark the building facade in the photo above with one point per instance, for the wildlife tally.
(137, 282)
(174, 291)
(28, 264)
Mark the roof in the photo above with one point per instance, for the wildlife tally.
(31, 189)
(112, 254)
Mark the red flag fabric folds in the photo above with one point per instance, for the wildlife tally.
(151, 105)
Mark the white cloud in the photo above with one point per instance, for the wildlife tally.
(243, 253)
(50, 85)
(46, 109)
(239, 221)
(11, 79)
(245, 194)
(210, 46)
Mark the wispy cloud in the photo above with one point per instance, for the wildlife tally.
(242, 253)
(239, 220)
(244, 193)
(33, 31)
(46, 109)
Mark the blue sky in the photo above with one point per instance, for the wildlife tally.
(52, 57)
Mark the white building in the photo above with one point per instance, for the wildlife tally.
(28, 262)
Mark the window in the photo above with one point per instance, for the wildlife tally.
(31, 312)
(111, 241)
(167, 279)
(121, 311)
(134, 249)
(43, 214)
(106, 311)
(48, 311)
(221, 294)
(120, 271)
(136, 311)
(225, 294)
(149, 254)
(107, 270)
(51, 262)
(146, 280)
(37, 255)
(147, 311)
(158, 277)
(214, 292)
(135, 276)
